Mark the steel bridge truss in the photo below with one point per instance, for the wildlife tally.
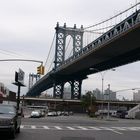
(119, 29)
(75, 89)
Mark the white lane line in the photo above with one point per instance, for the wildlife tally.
(94, 128)
(71, 128)
(22, 126)
(46, 127)
(131, 128)
(82, 128)
(116, 132)
(33, 126)
(105, 128)
(110, 129)
(137, 128)
(119, 128)
(57, 127)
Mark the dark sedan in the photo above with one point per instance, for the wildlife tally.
(9, 120)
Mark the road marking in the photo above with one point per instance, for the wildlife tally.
(94, 128)
(71, 128)
(57, 127)
(119, 128)
(46, 127)
(137, 128)
(82, 128)
(33, 126)
(128, 128)
(87, 128)
(133, 129)
(22, 126)
(116, 132)
(105, 128)
(110, 129)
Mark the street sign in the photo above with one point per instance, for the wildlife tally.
(21, 75)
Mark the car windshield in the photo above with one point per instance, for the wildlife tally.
(7, 109)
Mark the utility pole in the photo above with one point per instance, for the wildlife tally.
(108, 113)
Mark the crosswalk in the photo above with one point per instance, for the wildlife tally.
(84, 128)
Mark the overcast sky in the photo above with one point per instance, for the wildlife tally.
(27, 30)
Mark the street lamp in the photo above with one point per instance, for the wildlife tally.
(102, 76)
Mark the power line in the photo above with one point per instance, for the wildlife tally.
(7, 52)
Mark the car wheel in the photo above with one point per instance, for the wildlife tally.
(18, 130)
(13, 134)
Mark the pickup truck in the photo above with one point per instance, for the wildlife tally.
(10, 120)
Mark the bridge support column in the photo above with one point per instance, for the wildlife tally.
(60, 48)
(58, 91)
(76, 89)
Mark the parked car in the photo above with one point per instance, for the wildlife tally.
(114, 113)
(43, 113)
(126, 115)
(52, 113)
(66, 113)
(59, 113)
(36, 114)
(71, 113)
(121, 113)
(10, 119)
(97, 113)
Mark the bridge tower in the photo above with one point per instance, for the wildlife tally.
(61, 34)
(33, 78)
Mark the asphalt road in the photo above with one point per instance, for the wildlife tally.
(78, 128)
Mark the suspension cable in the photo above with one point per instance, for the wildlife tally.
(93, 31)
(50, 49)
(68, 43)
(112, 17)
(51, 65)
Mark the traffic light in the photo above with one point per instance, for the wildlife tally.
(40, 70)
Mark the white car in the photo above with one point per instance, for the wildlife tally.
(36, 114)
(53, 113)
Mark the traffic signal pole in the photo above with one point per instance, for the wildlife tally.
(18, 97)
(19, 77)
